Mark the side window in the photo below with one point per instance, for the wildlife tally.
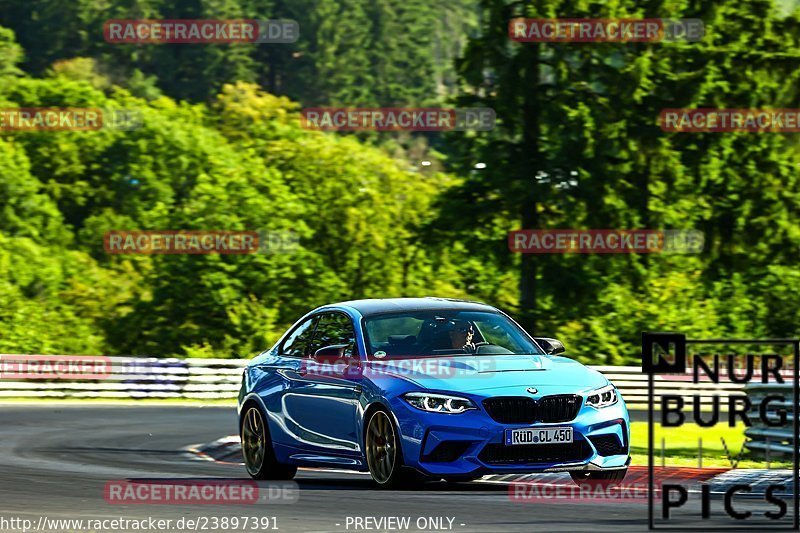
(298, 343)
(335, 328)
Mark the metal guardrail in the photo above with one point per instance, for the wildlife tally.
(632, 383)
(765, 439)
(139, 378)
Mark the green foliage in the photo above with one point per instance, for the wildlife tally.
(10, 54)
(242, 163)
(576, 145)
(351, 52)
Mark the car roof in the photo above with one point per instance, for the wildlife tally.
(388, 305)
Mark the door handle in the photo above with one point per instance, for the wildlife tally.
(293, 373)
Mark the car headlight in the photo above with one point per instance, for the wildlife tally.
(604, 397)
(439, 403)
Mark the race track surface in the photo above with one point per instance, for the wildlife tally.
(55, 461)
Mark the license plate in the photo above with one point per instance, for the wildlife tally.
(538, 436)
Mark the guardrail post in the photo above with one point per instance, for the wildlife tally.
(769, 441)
(700, 452)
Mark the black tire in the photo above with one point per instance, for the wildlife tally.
(384, 455)
(257, 452)
(612, 478)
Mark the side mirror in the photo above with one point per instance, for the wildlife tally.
(330, 354)
(550, 346)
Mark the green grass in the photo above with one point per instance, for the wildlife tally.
(681, 446)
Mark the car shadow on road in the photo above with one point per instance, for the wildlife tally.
(130, 451)
(323, 484)
(329, 483)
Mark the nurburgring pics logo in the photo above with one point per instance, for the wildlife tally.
(585, 30)
(397, 119)
(24, 366)
(741, 375)
(605, 241)
(730, 120)
(197, 31)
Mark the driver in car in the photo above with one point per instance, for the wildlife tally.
(461, 335)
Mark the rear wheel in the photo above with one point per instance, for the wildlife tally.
(384, 455)
(259, 456)
(610, 478)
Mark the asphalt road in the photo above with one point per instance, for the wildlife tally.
(55, 461)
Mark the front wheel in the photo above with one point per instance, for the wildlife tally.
(257, 451)
(384, 455)
(611, 478)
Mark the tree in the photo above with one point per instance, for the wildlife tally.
(577, 145)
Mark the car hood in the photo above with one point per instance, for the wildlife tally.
(484, 372)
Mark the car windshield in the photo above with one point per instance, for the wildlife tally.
(445, 333)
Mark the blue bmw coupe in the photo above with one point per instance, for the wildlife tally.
(410, 389)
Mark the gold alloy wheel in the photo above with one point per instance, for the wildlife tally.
(253, 441)
(381, 447)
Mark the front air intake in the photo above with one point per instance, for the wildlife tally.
(523, 410)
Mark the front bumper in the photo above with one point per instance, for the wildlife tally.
(472, 443)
